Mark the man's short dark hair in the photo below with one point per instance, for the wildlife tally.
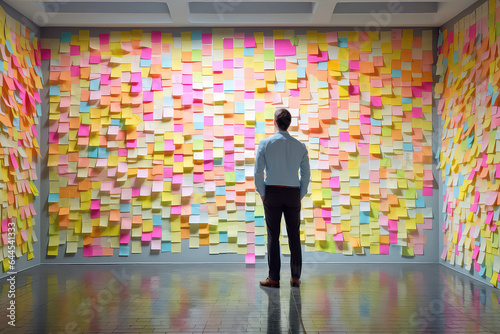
(283, 119)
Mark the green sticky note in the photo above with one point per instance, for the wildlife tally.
(268, 55)
(407, 251)
(196, 55)
(386, 131)
(230, 177)
(385, 162)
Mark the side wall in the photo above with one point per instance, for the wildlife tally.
(468, 84)
(22, 262)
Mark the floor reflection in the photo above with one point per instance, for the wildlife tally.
(227, 298)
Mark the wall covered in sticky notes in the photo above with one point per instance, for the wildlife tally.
(152, 138)
(21, 82)
(468, 87)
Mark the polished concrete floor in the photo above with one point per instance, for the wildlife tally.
(338, 298)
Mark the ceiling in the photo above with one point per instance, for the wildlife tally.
(240, 13)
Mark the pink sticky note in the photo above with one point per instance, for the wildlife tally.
(83, 130)
(250, 258)
(124, 238)
(376, 101)
(416, 112)
(338, 237)
(156, 36)
(227, 43)
(249, 42)
(146, 53)
(87, 251)
(206, 38)
(176, 210)
(146, 236)
(156, 232)
(427, 191)
(283, 48)
(46, 54)
(489, 217)
(393, 237)
(443, 254)
(331, 37)
(384, 249)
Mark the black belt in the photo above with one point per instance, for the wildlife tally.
(284, 186)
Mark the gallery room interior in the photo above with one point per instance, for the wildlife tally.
(129, 132)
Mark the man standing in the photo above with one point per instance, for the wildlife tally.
(281, 156)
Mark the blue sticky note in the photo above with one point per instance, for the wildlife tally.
(55, 90)
(147, 83)
(420, 202)
(239, 107)
(195, 209)
(102, 153)
(95, 84)
(301, 72)
(249, 216)
(53, 198)
(166, 61)
(396, 74)
(364, 217)
(342, 43)
(260, 127)
(279, 86)
(145, 63)
(9, 47)
(15, 122)
(93, 152)
(248, 52)
(157, 220)
(168, 101)
(166, 246)
(239, 176)
(65, 37)
(125, 207)
(375, 122)
(199, 125)
(259, 221)
(407, 147)
(196, 35)
(84, 106)
(483, 270)
(406, 100)
(223, 237)
(228, 86)
(220, 190)
(260, 240)
(124, 250)
(322, 66)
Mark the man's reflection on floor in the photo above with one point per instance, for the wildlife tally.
(295, 311)
(274, 311)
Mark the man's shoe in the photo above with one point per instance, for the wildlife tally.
(270, 283)
(295, 282)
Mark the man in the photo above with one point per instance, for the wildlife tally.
(281, 156)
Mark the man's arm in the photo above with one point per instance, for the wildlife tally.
(305, 174)
(260, 164)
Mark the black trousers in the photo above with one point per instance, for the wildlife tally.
(279, 201)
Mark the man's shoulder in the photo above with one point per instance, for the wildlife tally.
(297, 141)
